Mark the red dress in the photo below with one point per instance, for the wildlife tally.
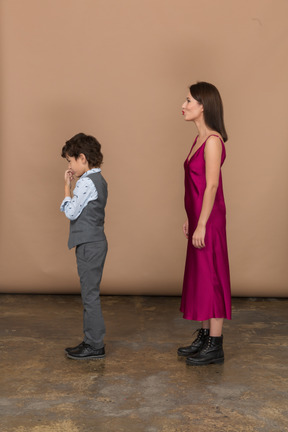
(206, 287)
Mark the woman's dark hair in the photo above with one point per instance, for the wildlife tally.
(208, 96)
(86, 144)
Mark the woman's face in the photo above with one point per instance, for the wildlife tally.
(191, 109)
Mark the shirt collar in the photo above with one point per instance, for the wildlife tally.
(91, 171)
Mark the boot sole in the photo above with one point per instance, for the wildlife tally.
(187, 355)
(215, 361)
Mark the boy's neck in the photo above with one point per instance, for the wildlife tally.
(94, 167)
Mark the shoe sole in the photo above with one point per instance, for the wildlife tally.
(216, 361)
(85, 358)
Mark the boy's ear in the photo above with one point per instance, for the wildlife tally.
(82, 158)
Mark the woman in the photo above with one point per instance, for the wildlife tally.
(206, 292)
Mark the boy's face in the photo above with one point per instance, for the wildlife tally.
(77, 166)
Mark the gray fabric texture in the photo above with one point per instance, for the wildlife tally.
(90, 262)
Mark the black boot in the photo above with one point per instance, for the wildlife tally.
(196, 344)
(211, 352)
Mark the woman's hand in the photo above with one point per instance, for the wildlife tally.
(198, 238)
(186, 228)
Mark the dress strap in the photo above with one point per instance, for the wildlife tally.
(215, 136)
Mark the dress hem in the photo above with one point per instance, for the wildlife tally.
(187, 317)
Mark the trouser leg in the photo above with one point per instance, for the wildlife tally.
(90, 263)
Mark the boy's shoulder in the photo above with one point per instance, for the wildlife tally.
(96, 176)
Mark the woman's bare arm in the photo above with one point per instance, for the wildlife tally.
(212, 154)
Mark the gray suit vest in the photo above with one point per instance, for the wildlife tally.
(89, 226)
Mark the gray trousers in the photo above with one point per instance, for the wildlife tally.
(90, 262)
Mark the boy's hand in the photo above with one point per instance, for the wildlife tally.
(68, 177)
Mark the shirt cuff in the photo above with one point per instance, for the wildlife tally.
(64, 202)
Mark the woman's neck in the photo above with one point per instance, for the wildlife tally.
(203, 130)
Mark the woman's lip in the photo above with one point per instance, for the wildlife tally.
(183, 112)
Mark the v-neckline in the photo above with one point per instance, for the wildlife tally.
(190, 156)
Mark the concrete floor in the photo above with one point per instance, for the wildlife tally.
(141, 386)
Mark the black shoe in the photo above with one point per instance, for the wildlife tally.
(196, 345)
(75, 348)
(86, 352)
(211, 352)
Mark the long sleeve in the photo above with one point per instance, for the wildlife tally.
(84, 192)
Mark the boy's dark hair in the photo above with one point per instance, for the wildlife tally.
(86, 144)
(208, 96)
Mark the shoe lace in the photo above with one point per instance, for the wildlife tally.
(199, 336)
(207, 344)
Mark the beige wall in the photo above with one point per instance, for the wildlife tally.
(119, 69)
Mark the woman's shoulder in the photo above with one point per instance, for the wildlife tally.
(214, 137)
(214, 144)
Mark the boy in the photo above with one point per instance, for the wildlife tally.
(85, 209)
